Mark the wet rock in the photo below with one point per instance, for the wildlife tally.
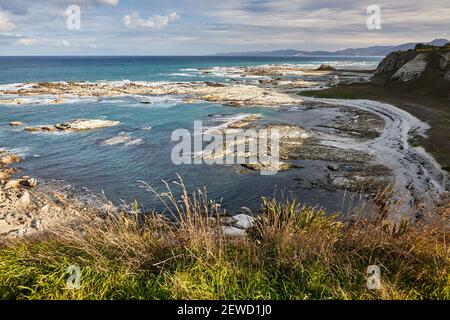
(317, 151)
(359, 123)
(362, 178)
(16, 123)
(333, 167)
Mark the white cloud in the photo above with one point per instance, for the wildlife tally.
(40, 42)
(5, 23)
(156, 22)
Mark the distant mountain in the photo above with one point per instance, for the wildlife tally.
(370, 51)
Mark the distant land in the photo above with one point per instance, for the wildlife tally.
(370, 51)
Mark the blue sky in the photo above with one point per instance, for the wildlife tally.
(196, 27)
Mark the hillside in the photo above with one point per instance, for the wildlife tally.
(369, 51)
(425, 71)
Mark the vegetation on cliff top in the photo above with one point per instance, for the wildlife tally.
(291, 252)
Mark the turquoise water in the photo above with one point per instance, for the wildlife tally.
(82, 160)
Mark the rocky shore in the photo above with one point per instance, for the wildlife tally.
(231, 94)
(365, 145)
(28, 208)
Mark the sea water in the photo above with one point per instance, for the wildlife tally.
(87, 160)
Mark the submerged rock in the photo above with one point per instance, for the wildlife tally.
(123, 139)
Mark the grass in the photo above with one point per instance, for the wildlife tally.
(291, 252)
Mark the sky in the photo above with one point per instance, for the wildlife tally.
(202, 27)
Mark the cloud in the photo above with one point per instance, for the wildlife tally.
(156, 22)
(20, 7)
(42, 42)
(5, 23)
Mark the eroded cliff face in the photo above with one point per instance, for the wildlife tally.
(424, 72)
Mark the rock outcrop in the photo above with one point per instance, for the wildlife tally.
(425, 71)
(75, 125)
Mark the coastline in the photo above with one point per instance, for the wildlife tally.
(284, 250)
(433, 110)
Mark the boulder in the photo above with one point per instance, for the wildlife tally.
(229, 231)
(16, 123)
(24, 200)
(243, 221)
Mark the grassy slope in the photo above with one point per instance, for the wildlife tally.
(433, 110)
(292, 252)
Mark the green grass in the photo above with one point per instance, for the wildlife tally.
(292, 252)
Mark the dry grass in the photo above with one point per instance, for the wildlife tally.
(291, 252)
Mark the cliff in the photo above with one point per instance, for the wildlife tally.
(424, 71)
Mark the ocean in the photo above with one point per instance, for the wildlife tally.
(83, 160)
